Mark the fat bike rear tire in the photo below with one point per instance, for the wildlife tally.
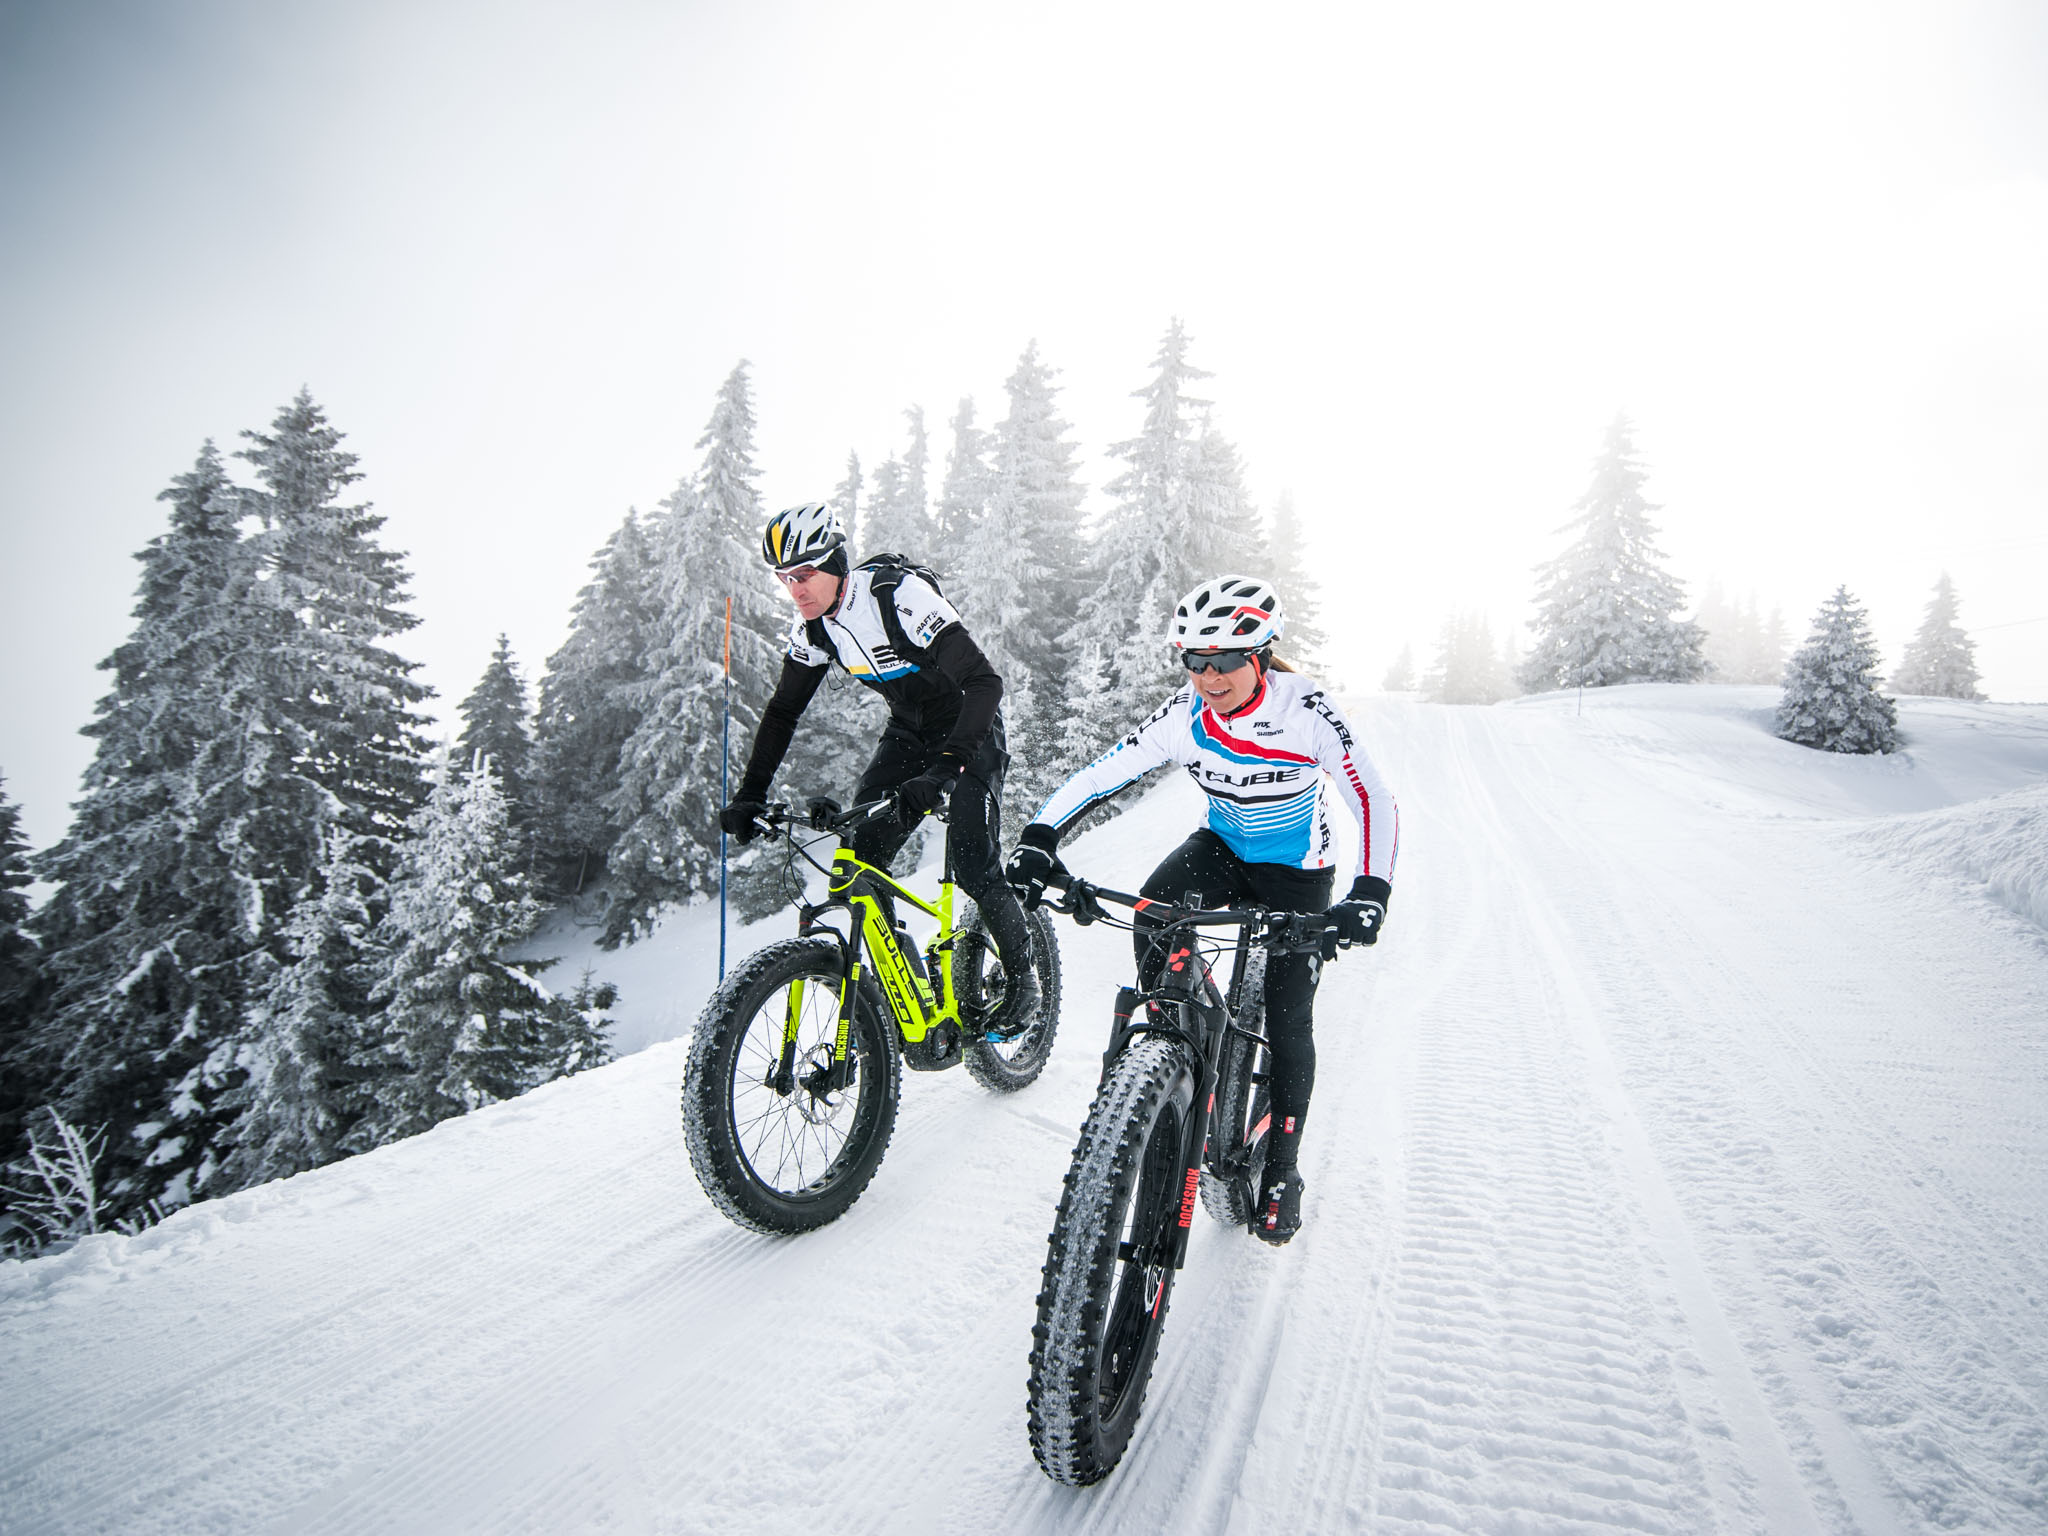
(1005, 1065)
(788, 1155)
(1243, 1106)
(1109, 1266)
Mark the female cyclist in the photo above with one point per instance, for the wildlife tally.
(1264, 743)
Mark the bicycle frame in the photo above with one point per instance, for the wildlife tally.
(1201, 1018)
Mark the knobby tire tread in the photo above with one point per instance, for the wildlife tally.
(1068, 1435)
(707, 1092)
(985, 1061)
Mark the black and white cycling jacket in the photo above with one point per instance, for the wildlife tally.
(938, 685)
(1264, 767)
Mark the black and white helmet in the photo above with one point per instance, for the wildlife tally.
(1228, 613)
(804, 535)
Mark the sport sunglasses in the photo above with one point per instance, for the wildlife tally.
(1221, 661)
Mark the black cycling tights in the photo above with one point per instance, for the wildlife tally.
(973, 832)
(1205, 865)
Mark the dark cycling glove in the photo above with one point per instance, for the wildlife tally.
(823, 810)
(1035, 864)
(737, 820)
(917, 796)
(1360, 915)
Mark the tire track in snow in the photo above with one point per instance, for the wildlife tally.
(1859, 1285)
(1525, 1384)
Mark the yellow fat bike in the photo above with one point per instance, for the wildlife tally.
(790, 1092)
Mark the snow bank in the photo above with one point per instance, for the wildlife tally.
(1999, 845)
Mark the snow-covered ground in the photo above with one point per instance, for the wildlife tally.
(1679, 1163)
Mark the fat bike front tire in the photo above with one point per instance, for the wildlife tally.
(1243, 1107)
(787, 1151)
(1109, 1265)
(1004, 1065)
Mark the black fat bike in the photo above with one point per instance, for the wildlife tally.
(790, 1090)
(1180, 1118)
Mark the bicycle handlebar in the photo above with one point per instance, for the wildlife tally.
(1082, 900)
(780, 813)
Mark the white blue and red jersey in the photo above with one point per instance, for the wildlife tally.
(1268, 769)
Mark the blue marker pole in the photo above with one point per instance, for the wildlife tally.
(724, 783)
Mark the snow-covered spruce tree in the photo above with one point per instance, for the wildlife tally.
(1178, 514)
(459, 1026)
(494, 726)
(899, 517)
(1020, 568)
(846, 495)
(668, 796)
(1400, 676)
(297, 1089)
(1831, 700)
(1467, 668)
(347, 706)
(333, 750)
(965, 491)
(1606, 610)
(1287, 561)
(592, 697)
(1940, 660)
(161, 906)
(1739, 646)
(20, 967)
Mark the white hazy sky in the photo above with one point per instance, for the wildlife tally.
(1428, 251)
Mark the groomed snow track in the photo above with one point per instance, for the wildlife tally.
(1679, 1164)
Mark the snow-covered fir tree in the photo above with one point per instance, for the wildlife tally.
(592, 697)
(1606, 610)
(1831, 700)
(297, 1092)
(165, 890)
(347, 707)
(669, 783)
(1020, 568)
(20, 965)
(1400, 676)
(1940, 659)
(459, 1024)
(1467, 668)
(846, 495)
(1304, 642)
(1740, 645)
(899, 516)
(495, 725)
(965, 490)
(1178, 515)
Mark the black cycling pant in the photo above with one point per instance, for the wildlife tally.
(1216, 877)
(973, 829)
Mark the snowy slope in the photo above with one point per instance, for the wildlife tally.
(1679, 1163)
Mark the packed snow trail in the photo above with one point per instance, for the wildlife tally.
(1679, 1163)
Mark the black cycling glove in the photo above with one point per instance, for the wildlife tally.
(1035, 864)
(737, 820)
(1360, 915)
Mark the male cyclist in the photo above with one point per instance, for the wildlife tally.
(890, 628)
(1262, 741)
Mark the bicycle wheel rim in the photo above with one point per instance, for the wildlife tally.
(1137, 1307)
(795, 1143)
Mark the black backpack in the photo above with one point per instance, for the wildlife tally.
(889, 573)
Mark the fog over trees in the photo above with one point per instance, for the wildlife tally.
(1940, 659)
(1606, 609)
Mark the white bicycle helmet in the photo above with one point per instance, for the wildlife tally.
(804, 535)
(1228, 613)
